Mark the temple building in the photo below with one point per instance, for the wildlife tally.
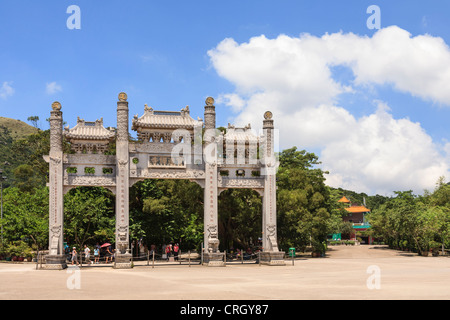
(356, 214)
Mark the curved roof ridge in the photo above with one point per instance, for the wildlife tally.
(164, 119)
(89, 130)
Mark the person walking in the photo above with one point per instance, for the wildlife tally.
(74, 256)
(87, 254)
(108, 254)
(176, 248)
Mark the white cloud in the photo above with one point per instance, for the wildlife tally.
(231, 100)
(418, 65)
(6, 90)
(381, 154)
(291, 76)
(280, 65)
(52, 88)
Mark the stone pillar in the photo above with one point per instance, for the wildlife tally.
(56, 258)
(210, 114)
(123, 255)
(211, 255)
(270, 255)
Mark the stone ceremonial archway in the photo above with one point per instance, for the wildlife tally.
(172, 145)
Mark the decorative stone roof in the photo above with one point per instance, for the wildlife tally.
(245, 134)
(152, 119)
(85, 130)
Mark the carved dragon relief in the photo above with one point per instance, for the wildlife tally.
(224, 182)
(122, 163)
(54, 241)
(151, 147)
(171, 174)
(55, 160)
(122, 239)
(271, 233)
(213, 239)
(97, 181)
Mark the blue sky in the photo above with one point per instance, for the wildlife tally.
(163, 54)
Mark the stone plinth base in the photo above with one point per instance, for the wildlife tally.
(214, 259)
(122, 261)
(55, 262)
(272, 258)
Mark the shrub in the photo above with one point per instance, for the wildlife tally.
(19, 249)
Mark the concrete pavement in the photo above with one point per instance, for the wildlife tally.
(348, 272)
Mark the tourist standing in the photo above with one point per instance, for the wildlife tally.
(96, 255)
(152, 249)
(168, 250)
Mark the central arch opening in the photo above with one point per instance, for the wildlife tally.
(240, 222)
(165, 212)
(89, 220)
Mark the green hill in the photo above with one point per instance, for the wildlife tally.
(17, 129)
(18, 141)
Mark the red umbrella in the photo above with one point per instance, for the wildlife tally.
(105, 245)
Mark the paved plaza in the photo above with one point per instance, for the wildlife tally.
(346, 273)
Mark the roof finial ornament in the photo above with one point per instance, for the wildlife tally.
(123, 96)
(56, 106)
(147, 108)
(209, 101)
(268, 115)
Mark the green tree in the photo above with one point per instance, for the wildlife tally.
(25, 178)
(34, 121)
(25, 216)
(303, 201)
(89, 216)
(439, 201)
(240, 218)
(163, 211)
(29, 151)
(417, 223)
